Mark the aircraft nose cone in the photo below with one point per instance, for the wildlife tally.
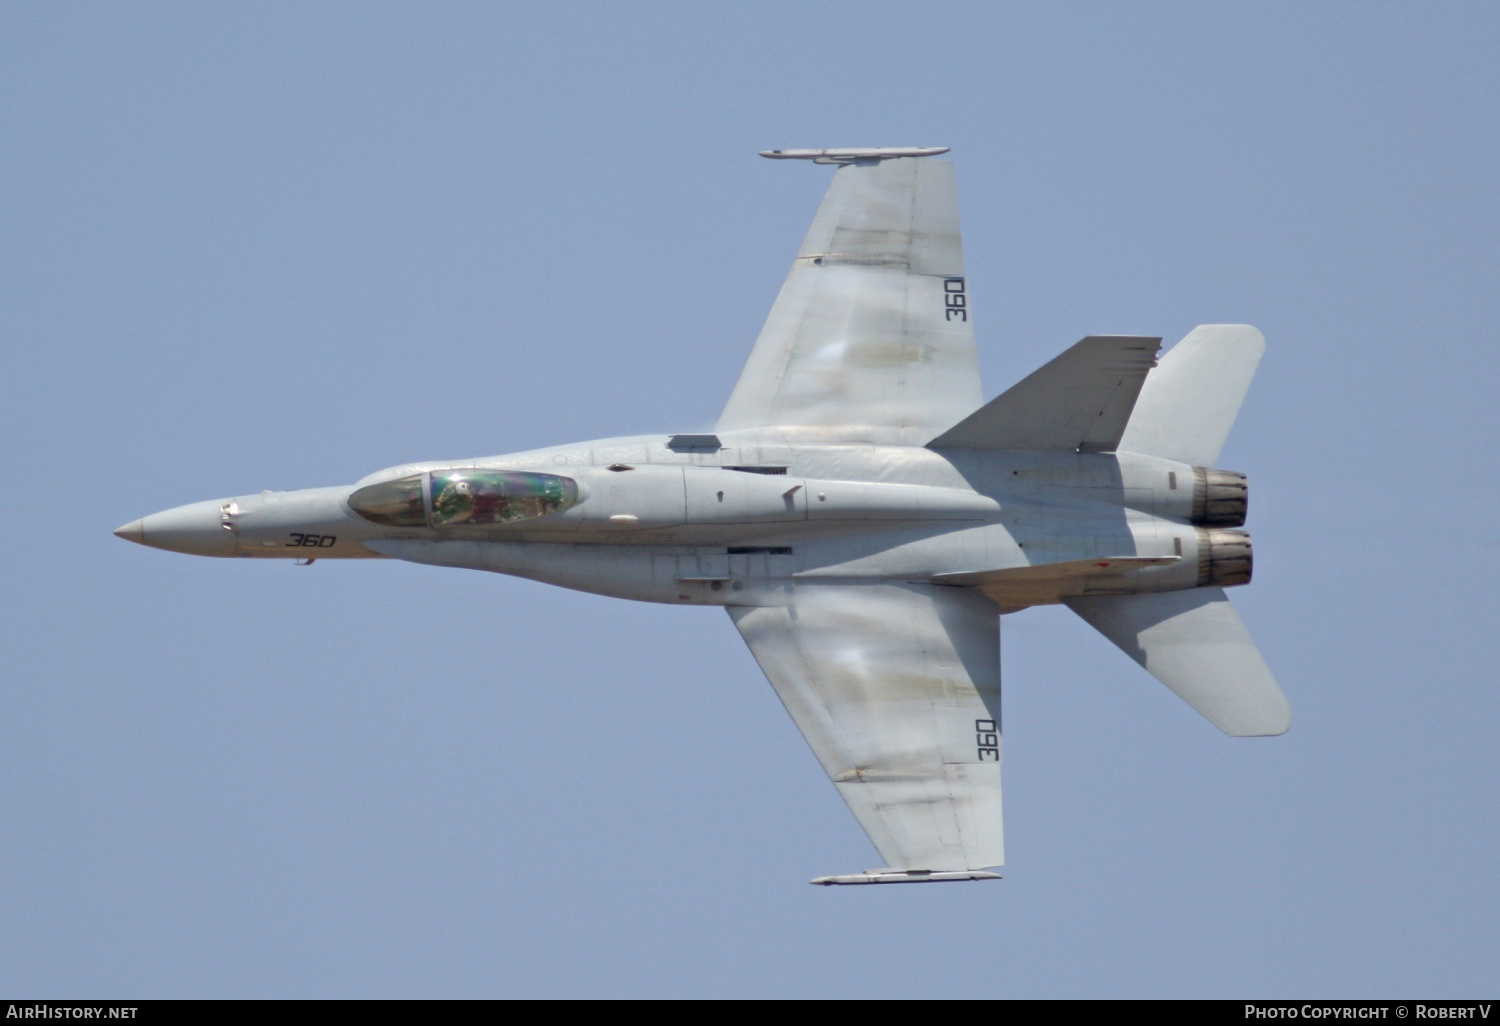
(196, 529)
(132, 532)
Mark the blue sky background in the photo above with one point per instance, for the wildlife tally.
(284, 245)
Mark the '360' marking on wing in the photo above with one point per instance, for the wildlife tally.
(988, 736)
(955, 300)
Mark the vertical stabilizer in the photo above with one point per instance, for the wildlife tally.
(1189, 402)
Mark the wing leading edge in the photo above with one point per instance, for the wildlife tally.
(896, 688)
(872, 331)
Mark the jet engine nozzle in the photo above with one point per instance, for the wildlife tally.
(1221, 498)
(1225, 558)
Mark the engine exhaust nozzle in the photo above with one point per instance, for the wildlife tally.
(1225, 558)
(1221, 498)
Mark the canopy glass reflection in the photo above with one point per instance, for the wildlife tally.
(395, 503)
(462, 498)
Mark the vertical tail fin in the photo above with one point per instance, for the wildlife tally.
(1189, 401)
(1193, 641)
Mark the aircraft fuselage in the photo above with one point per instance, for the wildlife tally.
(737, 524)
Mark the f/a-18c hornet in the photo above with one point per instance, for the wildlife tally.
(864, 518)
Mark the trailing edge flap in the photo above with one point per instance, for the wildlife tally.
(1021, 586)
(1195, 643)
(1080, 401)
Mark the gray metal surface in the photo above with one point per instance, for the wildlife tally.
(1195, 643)
(1188, 404)
(1078, 402)
(850, 155)
(897, 690)
(865, 569)
(872, 331)
(877, 876)
(1015, 588)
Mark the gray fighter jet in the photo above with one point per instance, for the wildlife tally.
(864, 518)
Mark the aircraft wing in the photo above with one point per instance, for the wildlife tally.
(896, 688)
(872, 328)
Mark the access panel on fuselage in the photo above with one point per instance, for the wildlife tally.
(641, 496)
(741, 497)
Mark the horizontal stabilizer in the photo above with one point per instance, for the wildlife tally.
(1189, 403)
(1021, 586)
(1080, 401)
(894, 876)
(1195, 643)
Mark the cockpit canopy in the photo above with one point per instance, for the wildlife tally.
(462, 498)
